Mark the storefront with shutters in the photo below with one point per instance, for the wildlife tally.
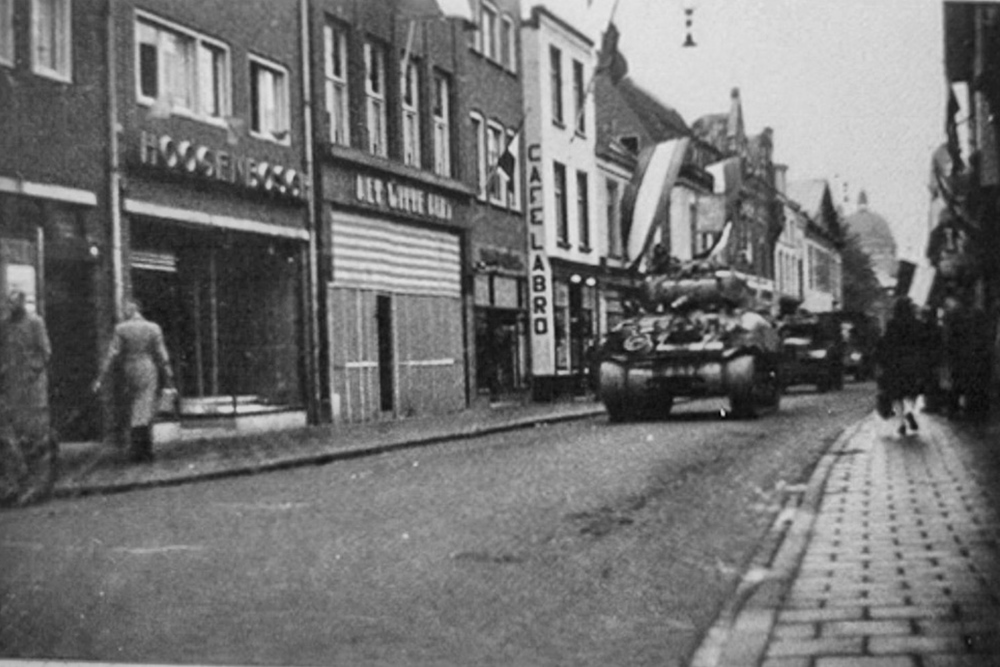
(395, 322)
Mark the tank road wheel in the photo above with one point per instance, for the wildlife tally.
(740, 376)
(754, 387)
(612, 386)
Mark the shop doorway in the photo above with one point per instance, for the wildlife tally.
(500, 353)
(70, 318)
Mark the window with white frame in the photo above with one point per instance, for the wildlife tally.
(508, 44)
(479, 143)
(579, 98)
(494, 145)
(51, 52)
(6, 32)
(514, 182)
(409, 87)
(556, 84)
(269, 108)
(441, 112)
(375, 110)
(335, 74)
(179, 70)
(488, 21)
(475, 37)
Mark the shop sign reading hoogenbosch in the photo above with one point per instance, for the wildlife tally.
(208, 163)
(398, 197)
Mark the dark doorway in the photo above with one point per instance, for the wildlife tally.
(156, 292)
(383, 318)
(498, 353)
(70, 316)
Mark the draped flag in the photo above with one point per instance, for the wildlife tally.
(648, 195)
(508, 159)
(951, 129)
(719, 254)
(427, 9)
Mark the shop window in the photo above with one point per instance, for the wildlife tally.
(375, 100)
(579, 98)
(51, 49)
(6, 32)
(562, 325)
(335, 74)
(269, 113)
(441, 113)
(562, 214)
(556, 84)
(231, 317)
(181, 71)
(583, 209)
(409, 85)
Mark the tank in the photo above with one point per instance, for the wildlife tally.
(694, 336)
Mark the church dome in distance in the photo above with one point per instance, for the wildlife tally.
(875, 238)
(872, 229)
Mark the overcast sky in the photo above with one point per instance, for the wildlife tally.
(853, 89)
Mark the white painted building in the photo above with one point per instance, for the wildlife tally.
(562, 187)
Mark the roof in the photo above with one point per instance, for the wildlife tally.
(662, 121)
(808, 194)
(725, 131)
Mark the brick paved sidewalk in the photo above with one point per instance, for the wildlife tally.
(893, 562)
(87, 468)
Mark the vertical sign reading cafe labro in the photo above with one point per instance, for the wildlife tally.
(540, 279)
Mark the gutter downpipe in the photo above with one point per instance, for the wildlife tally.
(315, 373)
(114, 180)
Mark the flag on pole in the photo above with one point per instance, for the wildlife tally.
(648, 195)
(507, 161)
(428, 9)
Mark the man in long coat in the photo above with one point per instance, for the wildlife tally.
(137, 347)
(24, 385)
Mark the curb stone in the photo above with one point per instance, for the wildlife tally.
(239, 469)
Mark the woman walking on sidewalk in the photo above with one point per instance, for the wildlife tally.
(902, 357)
(138, 347)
